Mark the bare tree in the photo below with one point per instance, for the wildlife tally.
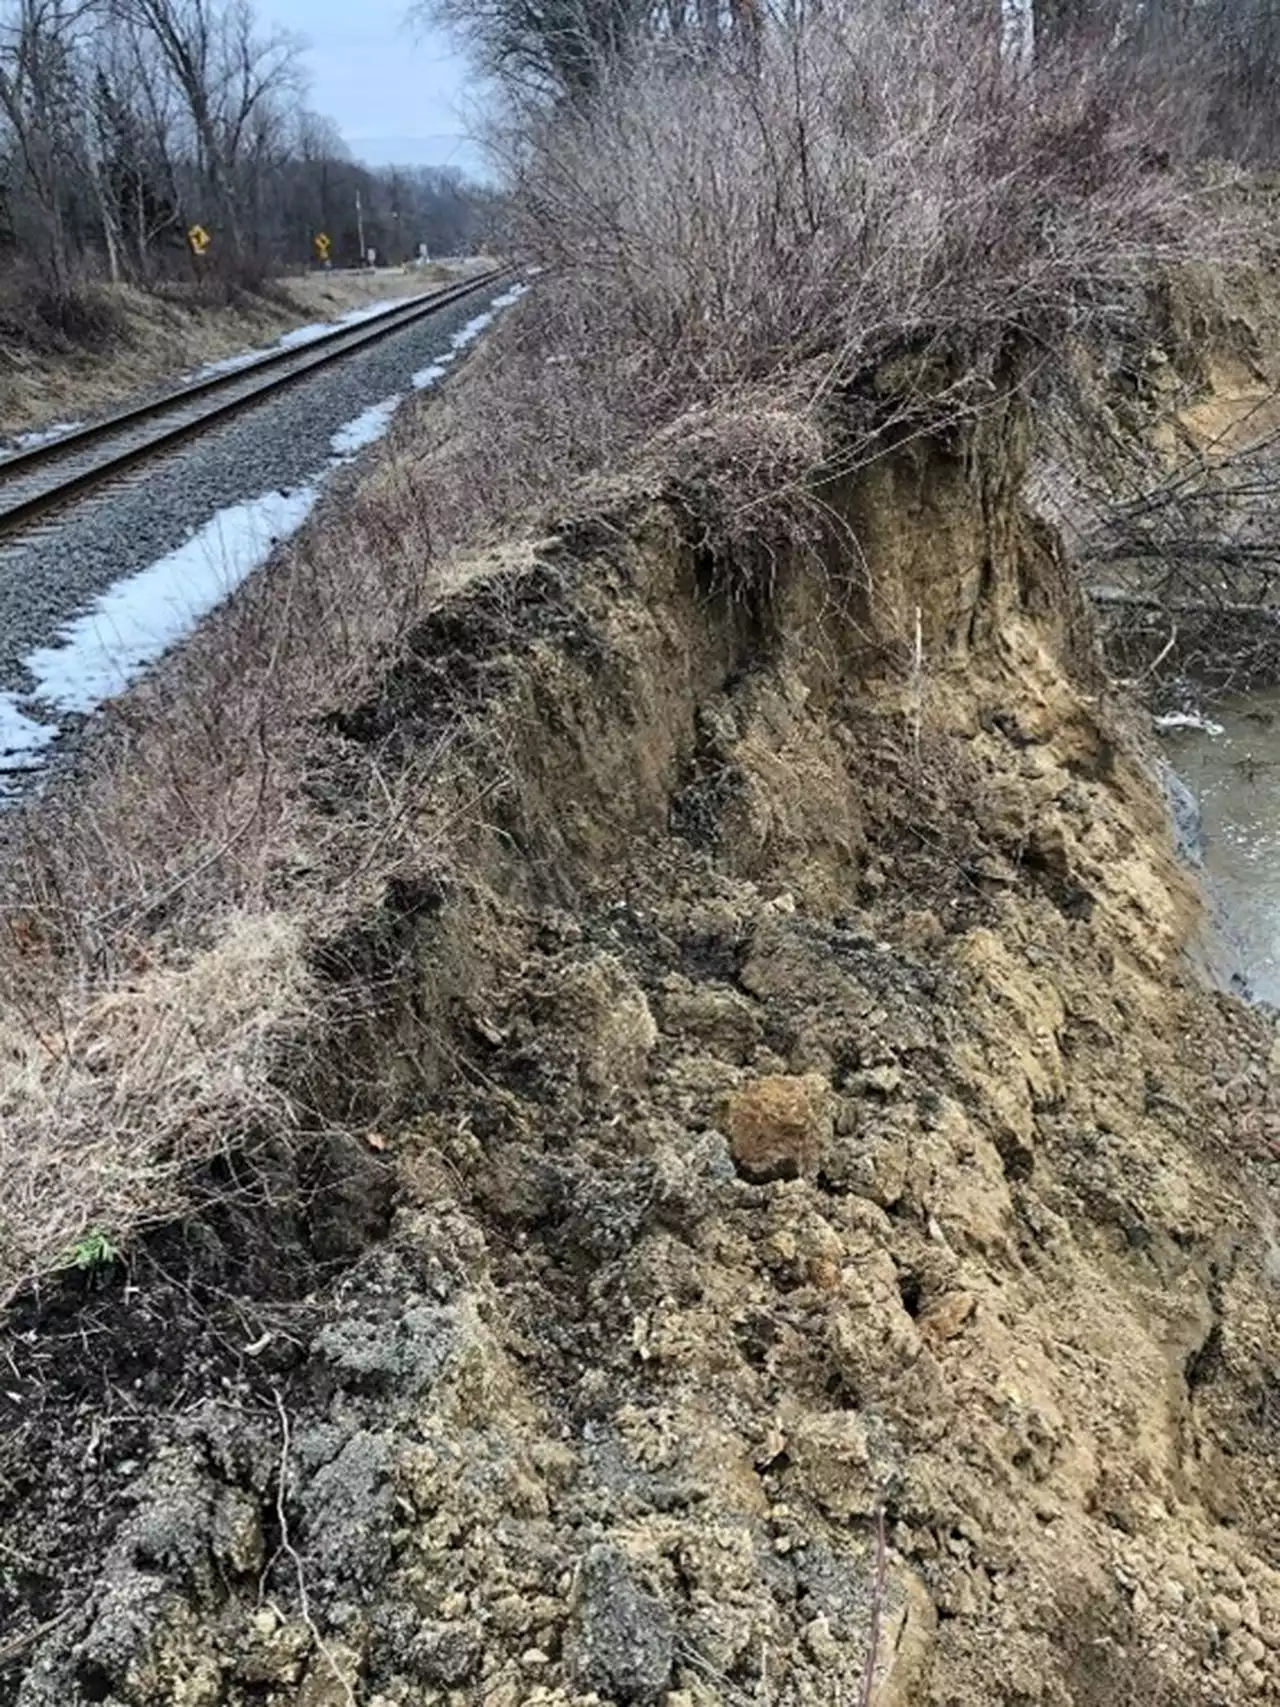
(550, 47)
(139, 123)
(39, 100)
(229, 77)
(123, 123)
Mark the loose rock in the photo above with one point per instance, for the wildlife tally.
(777, 1126)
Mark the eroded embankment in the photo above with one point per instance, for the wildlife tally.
(1157, 460)
(783, 1106)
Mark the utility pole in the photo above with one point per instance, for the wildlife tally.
(360, 229)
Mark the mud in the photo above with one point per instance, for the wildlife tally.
(803, 1123)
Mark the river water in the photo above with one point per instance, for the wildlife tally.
(1231, 765)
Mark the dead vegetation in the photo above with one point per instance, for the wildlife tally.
(151, 1077)
(1157, 462)
(686, 717)
(898, 190)
(45, 322)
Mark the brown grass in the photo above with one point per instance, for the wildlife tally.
(903, 228)
(156, 905)
(105, 1116)
(67, 357)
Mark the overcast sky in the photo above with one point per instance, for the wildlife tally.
(398, 93)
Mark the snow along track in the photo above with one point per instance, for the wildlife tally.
(92, 595)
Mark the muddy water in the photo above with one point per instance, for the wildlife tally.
(1232, 768)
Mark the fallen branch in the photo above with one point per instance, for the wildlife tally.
(1113, 598)
(20, 1644)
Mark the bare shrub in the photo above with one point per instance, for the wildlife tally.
(879, 207)
(37, 317)
(863, 181)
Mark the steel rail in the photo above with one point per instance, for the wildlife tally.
(252, 381)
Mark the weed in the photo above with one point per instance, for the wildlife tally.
(91, 1251)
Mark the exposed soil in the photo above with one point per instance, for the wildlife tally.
(789, 1117)
(1160, 468)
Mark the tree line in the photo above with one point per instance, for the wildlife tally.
(127, 124)
(1225, 54)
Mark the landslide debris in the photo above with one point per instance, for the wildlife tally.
(794, 1117)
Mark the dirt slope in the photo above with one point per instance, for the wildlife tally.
(160, 338)
(785, 1111)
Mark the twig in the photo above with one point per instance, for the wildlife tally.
(11, 1650)
(1154, 665)
(1164, 652)
(693, 1656)
(877, 1613)
(287, 1546)
(161, 897)
(917, 689)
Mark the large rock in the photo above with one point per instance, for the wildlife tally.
(623, 1644)
(777, 1126)
(606, 1012)
(721, 1019)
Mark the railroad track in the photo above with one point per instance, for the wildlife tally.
(38, 480)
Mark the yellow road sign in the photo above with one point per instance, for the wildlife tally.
(323, 245)
(199, 239)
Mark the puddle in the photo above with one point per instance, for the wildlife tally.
(1231, 766)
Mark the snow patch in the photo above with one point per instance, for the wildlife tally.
(44, 436)
(512, 294)
(472, 330)
(302, 335)
(1188, 720)
(22, 739)
(228, 364)
(426, 377)
(136, 620)
(366, 429)
(482, 322)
